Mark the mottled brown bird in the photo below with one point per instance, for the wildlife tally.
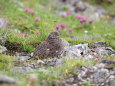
(51, 47)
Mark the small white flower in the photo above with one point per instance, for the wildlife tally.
(85, 31)
(32, 54)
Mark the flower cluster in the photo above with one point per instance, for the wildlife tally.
(83, 19)
(65, 14)
(62, 26)
(27, 10)
(58, 27)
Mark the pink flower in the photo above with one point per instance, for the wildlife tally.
(58, 27)
(24, 35)
(90, 21)
(38, 33)
(79, 17)
(63, 15)
(26, 10)
(83, 20)
(1, 7)
(63, 25)
(37, 19)
(68, 12)
(69, 31)
(31, 11)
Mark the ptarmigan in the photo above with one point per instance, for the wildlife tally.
(50, 48)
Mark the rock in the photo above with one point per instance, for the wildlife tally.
(112, 83)
(112, 20)
(104, 51)
(88, 57)
(76, 50)
(70, 80)
(71, 85)
(101, 48)
(7, 80)
(23, 57)
(98, 74)
(22, 69)
(3, 23)
(2, 49)
(101, 65)
(53, 62)
(34, 65)
(80, 6)
(99, 77)
(64, 42)
(98, 44)
(44, 71)
(59, 61)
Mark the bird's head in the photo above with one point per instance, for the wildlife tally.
(53, 35)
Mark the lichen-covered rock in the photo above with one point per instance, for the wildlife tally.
(76, 50)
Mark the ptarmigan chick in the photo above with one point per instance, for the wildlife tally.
(50, 48)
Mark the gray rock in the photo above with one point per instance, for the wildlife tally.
(99, 77)
(112, 20)
(44, 71)
(71, 85)
(80, 6)
(70, 80)
(3, 23)
(53, 62)
(76, 50)
(112, 83)
(104, 51)
(65, 43)
(7, 80)
(98, 44)
(22, 69)
(58, 62)
(3, 49)
(23, 57)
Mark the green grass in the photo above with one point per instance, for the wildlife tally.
(6, 62)
(49, 20)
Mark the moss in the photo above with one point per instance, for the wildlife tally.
(6, 62)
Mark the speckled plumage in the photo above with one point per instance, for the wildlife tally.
(51, 47)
